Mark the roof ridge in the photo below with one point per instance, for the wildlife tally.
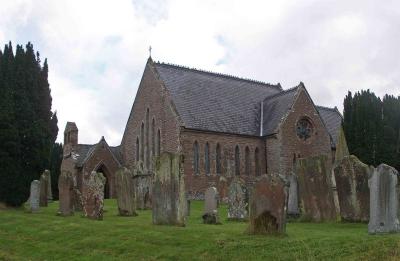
(229, 76)
(283, 92)
(328, 108)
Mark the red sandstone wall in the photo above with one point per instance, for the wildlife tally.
(101, 156)
(197, 184)
(153, 95)
(319, 143)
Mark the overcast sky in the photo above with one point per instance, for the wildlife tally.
(97, 49)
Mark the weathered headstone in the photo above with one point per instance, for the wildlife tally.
(93, 195)
(351, 177)
(315, 189)
(169, 197)
(210, 214)
(66, 194)
(142, 183)
(34, 196)
(268, 201)
(125, 193)
(44, 185)
(383, 200)
(293, 197)
(237, 200)
(49, 190)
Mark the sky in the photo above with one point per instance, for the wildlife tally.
(97, 49)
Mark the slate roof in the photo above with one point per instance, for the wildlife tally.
(215, 102)
(224, 103)
(275, 108)
(84, 151)
(332, 120)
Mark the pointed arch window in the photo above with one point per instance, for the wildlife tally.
(137, 149)
(247, 161)
(237, 161)
(153, 138)
(158, 143)
(142, 142)
(257, 162)
(207, 159)
(147, 148)
(218, 159)
(196, 158)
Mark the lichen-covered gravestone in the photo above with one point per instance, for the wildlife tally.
(293, 197)
(34, 196)
(44, 185)
(142, 183)
(125, 193)
(93, 195)
(49, 190)
(66, 194)
(315, 189)
(351, 177)
(210, 215)
(237, 200)
(383, 200)
(268, 201)
(77, 196)
(169, 197)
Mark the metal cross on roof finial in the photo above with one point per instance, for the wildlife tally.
(150, 51)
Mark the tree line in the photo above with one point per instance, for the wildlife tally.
(371, 127)
(28, 127)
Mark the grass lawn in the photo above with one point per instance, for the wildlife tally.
(45, 236)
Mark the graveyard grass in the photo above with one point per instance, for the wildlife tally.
(45, 236)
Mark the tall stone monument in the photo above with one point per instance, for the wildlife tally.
(268, 201)
(293, 197)
(169, 197)
(351, 177)
(44, 185)
(238, 200)
(93, 195)
(34, 196)
(383, 200)
(210, 215)
(315, 188)
(142, 184)
(49, 190)
(66, 194)
(125, 192)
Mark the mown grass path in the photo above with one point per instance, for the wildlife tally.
(45, 236)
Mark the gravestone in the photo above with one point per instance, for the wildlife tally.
(66, 194)
(237, 200)
(44, 185)
(315, 189)
(93, 195)
(169, 197)
(49, 190)
(351, 177)
(210, 215)
(267, 208)
(293, 197)
(34, 196)
(383, 200)
(142, 183)
(77, 196)
(125, 193)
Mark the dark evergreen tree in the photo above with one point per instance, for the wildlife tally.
(28, 128)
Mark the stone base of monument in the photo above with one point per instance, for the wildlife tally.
(211, 218)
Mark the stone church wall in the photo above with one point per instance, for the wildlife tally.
(151, 95)
(196, 184)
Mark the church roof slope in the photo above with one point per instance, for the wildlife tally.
(215, 102)
(332, 120)
(275, 109)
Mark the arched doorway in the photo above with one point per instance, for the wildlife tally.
(107, 187)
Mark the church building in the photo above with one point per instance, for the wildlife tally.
(224, 126)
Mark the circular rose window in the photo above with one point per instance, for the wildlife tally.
(304, 128)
